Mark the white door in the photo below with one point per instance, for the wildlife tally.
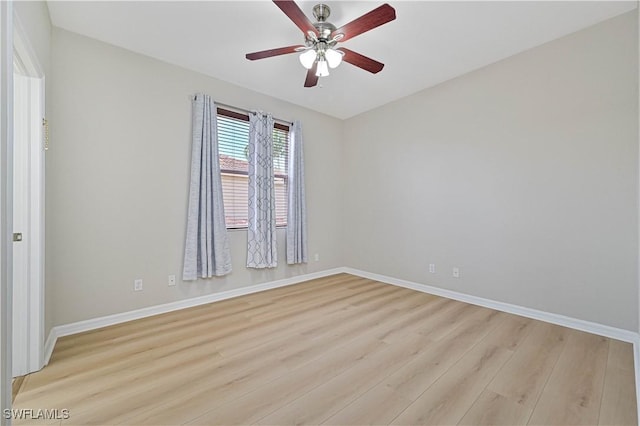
(27, 225)
(20, 208)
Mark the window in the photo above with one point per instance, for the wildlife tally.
(233, 141)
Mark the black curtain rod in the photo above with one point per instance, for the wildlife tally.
(242, 110)
(246, 111)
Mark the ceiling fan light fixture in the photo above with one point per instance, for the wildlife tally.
(308, 58)
(323, 69)
(334, 57)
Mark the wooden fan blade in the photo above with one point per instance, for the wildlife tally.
(361, 61)
(366, 22)
(298, 17)
(312, 78)
(272, 52)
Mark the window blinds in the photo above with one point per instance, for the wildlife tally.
(233, 138)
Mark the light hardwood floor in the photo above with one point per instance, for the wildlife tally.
(338, 350)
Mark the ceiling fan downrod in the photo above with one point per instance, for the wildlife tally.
(321, 12)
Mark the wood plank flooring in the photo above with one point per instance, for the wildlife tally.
(338, 350)
(16, 383)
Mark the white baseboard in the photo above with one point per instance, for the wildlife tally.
(636, 369)
(50, 344)
(577, 324)
(95, 323)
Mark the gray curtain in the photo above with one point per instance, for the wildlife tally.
(206, 252)
(297, 206)
(261, 234)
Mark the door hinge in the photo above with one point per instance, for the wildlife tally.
(45, 133)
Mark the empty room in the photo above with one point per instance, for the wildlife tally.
(305, 212)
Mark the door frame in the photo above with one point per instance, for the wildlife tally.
(26, 59)
(6, 203)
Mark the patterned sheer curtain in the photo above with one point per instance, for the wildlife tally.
(261, 234)
(206, 252)
(297, 207)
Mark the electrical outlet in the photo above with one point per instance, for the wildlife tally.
(432, 268)
(137, 285)
(316, 257)
(172, 280)
(456, 272)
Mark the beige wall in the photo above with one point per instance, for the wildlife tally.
(33, 16)
(524, 174)
(117, 181)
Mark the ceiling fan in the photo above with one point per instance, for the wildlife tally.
(319, 52)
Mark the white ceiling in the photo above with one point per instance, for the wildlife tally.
(428, 43)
